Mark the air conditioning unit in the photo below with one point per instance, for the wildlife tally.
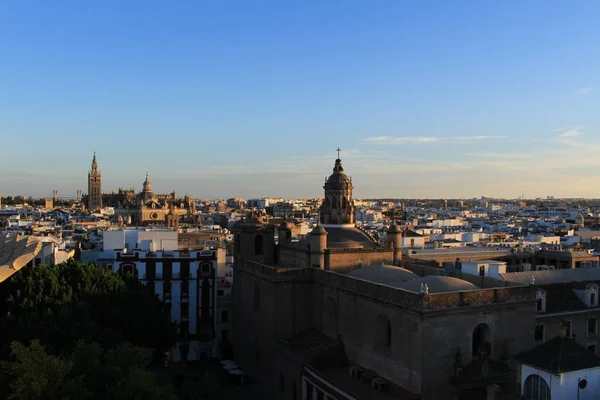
(356, 372)
(379, 384)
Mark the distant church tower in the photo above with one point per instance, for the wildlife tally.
(338, 205)
(94, 186)
(147, 193)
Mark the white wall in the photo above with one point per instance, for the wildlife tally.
(492, 270)
(565, 385)
(113, 240)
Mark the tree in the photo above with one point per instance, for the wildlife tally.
(60, 305)
(88, 373)
(78, 318)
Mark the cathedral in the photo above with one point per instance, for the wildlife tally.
(337, 315)
(143, 208)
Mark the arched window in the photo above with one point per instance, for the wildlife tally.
(481, 340)
(383, 329)
(258, 244)
(334, 202)
(281, 383)
(128, 269)
(536, 388)
(344, 203)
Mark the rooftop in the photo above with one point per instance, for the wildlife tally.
(15, 253)
(553, 276)
(559, 355)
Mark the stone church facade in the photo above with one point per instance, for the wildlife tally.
(338, 316)
(143, 208)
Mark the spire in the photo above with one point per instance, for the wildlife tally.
(94, 163)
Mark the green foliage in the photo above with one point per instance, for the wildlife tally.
(89, 373)
(93, 333)
(60, 305)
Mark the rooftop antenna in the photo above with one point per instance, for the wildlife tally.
(338, 151)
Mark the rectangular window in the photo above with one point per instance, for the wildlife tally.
(539, 333)
(539, 305)
(224, 316)
(591, 326)
(481, 270)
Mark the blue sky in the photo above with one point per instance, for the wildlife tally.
(251, 98)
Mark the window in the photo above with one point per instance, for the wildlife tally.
(258, 245)
(592, 348)
(224, 316)
(536, 388)
(592, 299)
(539, 333)
(591, 326)
(205, 269)
(481, 270)
(539, 306)
(541, 301)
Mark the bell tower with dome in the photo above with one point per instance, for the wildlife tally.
(338, 205)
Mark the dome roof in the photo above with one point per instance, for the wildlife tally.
(338, 178)
(343, 237)
(438, 284)
(385, 274)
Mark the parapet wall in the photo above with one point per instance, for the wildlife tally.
(419, 302)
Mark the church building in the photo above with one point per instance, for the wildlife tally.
(144, 208)
(338, 315)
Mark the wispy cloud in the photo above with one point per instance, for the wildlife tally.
(399, 140)
(388, 140)
(585, 90)
(569, 131)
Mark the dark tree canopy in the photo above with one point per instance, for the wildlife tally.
(77, 331)
(63, 304)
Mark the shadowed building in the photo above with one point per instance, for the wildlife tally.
(335, 316)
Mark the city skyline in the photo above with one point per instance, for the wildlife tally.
(453, 100)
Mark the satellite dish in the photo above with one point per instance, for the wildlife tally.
(582, 384)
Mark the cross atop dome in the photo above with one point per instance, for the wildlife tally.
(338, 151)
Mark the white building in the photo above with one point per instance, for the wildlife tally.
(187, 280)
(491, 268)
(559, 369)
